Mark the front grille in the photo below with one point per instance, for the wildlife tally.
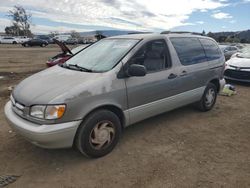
(17, 107)
(237, 74)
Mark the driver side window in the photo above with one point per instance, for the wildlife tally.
(154, 55)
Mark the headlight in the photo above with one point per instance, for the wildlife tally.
(48, 112)
(54, 112)
(37, 111)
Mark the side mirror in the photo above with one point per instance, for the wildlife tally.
(136, 70)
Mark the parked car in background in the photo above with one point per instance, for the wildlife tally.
(44, 37)
(72, 41)
(229, 50)
(62, 38)
(9, 40)
(238, 45)
(35, 42)
(238, 67)
(22, 39)
(114, 83)
(65, 55)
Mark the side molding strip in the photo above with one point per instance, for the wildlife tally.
(145, 111)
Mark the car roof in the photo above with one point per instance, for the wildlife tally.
(154, 35)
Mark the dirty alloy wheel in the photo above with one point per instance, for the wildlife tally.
(98, 134)
(43, 45)
(208, 99)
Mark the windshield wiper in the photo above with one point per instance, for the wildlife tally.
(80, 68)
(76, 67)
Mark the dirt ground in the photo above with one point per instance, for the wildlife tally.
(182, 148)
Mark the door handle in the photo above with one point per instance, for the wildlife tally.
(172, 76)
(183, 73)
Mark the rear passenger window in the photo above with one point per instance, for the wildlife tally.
(189, 50)
(211, 49)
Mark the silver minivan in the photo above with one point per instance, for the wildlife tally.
(89, 100)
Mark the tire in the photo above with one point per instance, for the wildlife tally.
(98, 134)
(14, 42)
(208, 99)
(43, 45)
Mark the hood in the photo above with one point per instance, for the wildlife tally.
(239, 62)
(63, 47)
(45, 86)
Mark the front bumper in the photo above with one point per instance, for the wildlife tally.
(46, 136)
(237, 75)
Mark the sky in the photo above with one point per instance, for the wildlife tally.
(133, 15)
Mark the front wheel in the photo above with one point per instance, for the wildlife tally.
(43, 45)
(98, 134)
(208, 99)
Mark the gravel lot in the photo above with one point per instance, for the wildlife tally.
(182, 148)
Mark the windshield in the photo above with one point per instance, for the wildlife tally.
(103, 55)
(77, 49)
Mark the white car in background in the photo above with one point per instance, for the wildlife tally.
(62, 38)
(238, 67)
(9, 40)
(22, 39)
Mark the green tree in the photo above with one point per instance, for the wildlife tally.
(12, 30)
(232, 39)
(243, 41)
(21, 21)
(99, 35)
(212, 35)
(222, 38)
(75, 34)
(203, 33)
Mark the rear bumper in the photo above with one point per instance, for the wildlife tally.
(46, 136)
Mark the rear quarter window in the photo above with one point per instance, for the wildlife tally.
(189, 50)
(212, 50)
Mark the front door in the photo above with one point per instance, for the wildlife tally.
(151, 94)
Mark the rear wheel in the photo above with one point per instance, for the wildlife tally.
(43, 45)
(208, 99)
(14, 42)
(98, 134)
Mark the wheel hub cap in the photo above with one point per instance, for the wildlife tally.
(210, 97)
(102, 134)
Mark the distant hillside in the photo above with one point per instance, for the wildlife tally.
(239, 36)
(242, 36)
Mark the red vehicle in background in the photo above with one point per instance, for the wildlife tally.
(65, 55)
